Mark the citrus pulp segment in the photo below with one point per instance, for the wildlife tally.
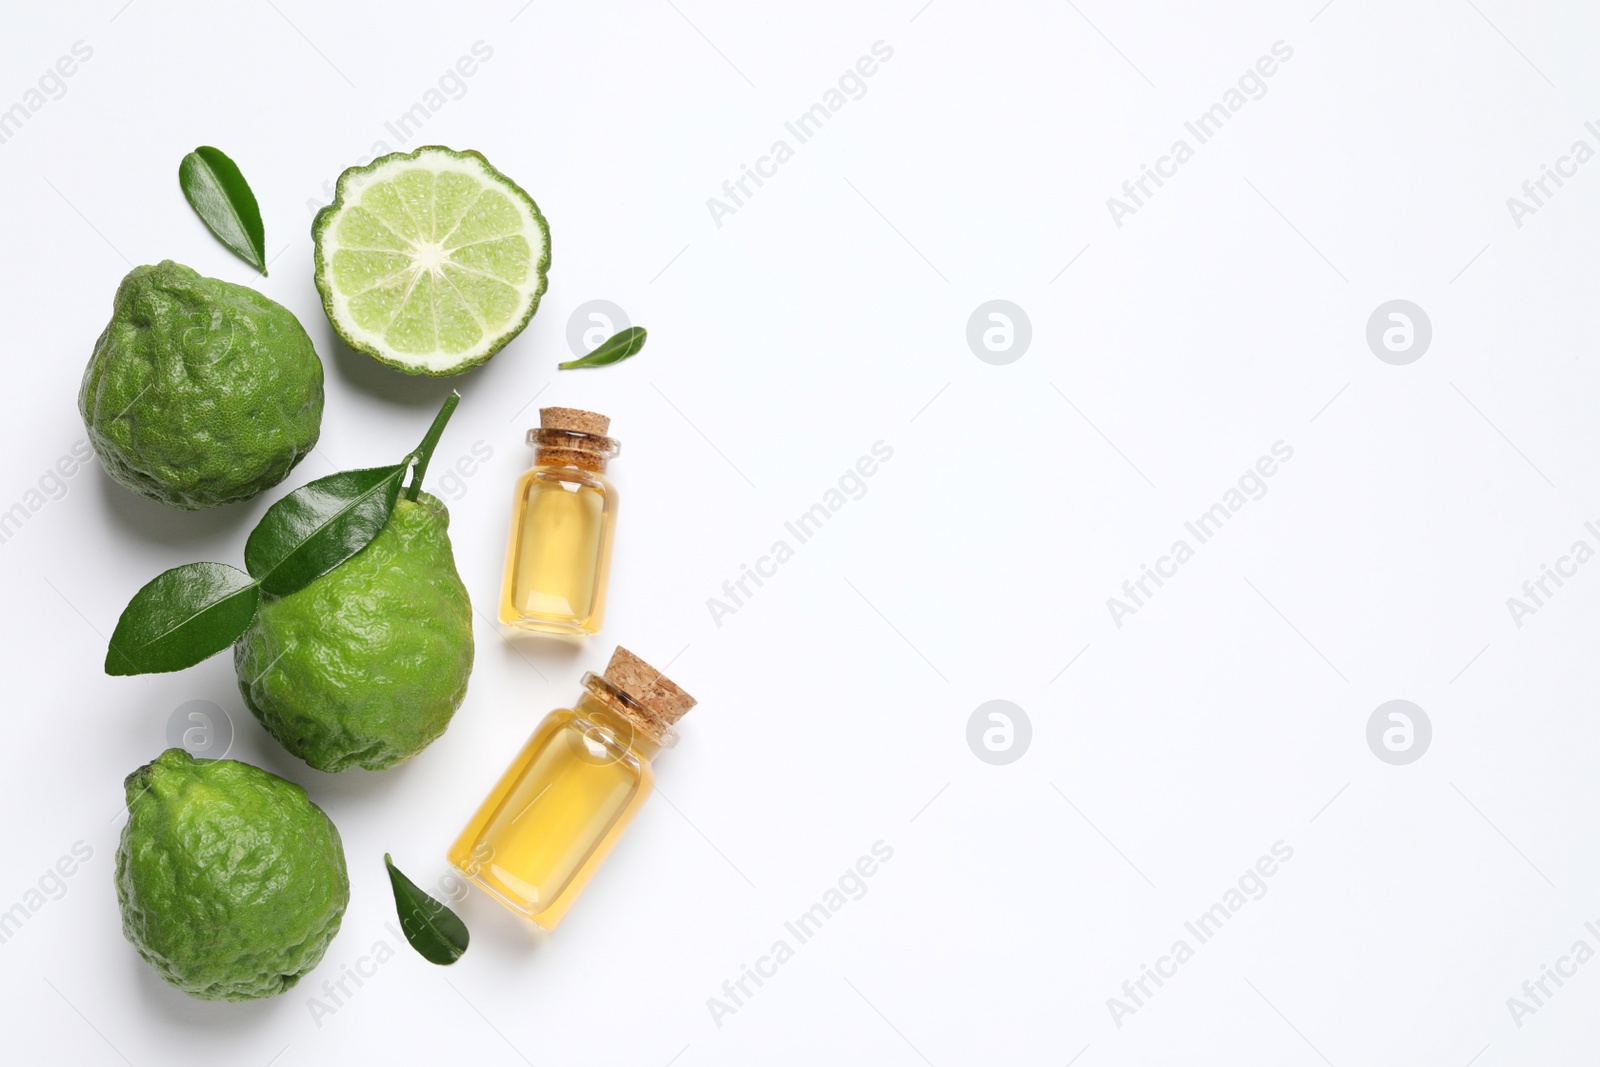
(430, 261)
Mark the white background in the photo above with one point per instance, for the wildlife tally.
(827, 313)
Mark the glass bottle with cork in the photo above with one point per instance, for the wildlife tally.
(558, 555)
(549, 822)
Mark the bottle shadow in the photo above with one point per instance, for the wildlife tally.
(550, 655)
(497, 932)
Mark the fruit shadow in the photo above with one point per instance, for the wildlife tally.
(159, 524)
(498, 376)
(224, 1020)
(372, 377)
(354, 785)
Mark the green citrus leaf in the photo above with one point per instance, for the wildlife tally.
(222, 198)
(614, 349)
(181, 617)
(319, 526)
(436, 932)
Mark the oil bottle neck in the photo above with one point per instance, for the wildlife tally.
(621, 727)
(569, 448)
(645, 726)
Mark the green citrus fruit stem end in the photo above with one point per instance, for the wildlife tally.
(424, 451)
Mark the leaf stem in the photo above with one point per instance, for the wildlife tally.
(424, 450)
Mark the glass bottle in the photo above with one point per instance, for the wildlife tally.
(558, 556)
(551, 819)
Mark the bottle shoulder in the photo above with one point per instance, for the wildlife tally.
(570, 476)
(600, 739)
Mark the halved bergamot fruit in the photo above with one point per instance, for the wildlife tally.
(430, 261)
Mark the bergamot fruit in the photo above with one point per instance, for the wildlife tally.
(366, 665)
(232, 883)
(430, 262)
(200, 392)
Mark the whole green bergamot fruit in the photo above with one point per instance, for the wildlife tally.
(200, 392)
(231, 881)
(366, 665)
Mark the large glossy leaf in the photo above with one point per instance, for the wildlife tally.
(181, 617)
(222, 198)
(319, 526)
(436, 932)
(614, 349)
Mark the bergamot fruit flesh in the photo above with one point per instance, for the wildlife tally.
(200, 392)
(231, 881)
(366, 665)
(430, 261)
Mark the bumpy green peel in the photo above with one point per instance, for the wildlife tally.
(367, 664)
(200, 392)
(232, 883)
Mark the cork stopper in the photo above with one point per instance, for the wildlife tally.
(574, 420)
(569, 437)
(647, 687)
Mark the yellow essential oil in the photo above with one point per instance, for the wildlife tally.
(558, 554)
(551, 819)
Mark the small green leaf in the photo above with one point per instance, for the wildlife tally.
(319, 526)
(614, 349)
(181, 617)
(222, 198)
(436, 932)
